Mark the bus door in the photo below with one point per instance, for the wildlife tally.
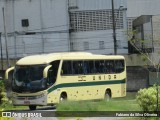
(51, 71)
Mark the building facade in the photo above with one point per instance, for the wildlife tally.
(147, 41)
(91, 26)
(136, 8)
(38, 26)
(34, 27)
(147, 36)
(139, 69)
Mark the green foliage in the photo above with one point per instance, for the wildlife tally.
(1, 91)
(147, 99)
(3, 94)
(144, 58)
(1, 85)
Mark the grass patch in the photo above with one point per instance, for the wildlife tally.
(121, 105)
(103, 107)
(112, 105)
(127, 103)
(129, 96)
(9, 106)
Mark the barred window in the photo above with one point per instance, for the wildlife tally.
(95, 20)
(130, 23)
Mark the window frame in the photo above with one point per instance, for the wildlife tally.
(91, 72)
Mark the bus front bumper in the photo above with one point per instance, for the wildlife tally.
(30, 100)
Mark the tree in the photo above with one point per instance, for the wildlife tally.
(1, 91)
(139, 45)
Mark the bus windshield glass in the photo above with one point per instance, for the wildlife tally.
(29, 78)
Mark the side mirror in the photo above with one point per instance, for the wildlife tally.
(45, 71)
(7, 72)
(8, 81)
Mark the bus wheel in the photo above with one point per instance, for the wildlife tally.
(63, 96)
(107, 95)
(32, 107)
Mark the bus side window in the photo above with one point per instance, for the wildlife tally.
(91, 67)
(66, 68)
(78, 67)
(99, 65)
(109, 66)
(86, 67)
(102, 66)
(119, 66)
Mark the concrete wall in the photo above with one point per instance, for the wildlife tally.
(48, 29)
(93, 38)
(2, 4)
(33, 44)
(154, 77)
(48, 15)
(156, 32)
(137, 78)
(148, 36)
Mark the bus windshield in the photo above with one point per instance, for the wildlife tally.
(29, 78)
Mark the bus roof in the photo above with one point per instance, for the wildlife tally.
(47, 58)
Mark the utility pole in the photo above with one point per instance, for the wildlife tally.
(114, 29)
(69, 39)
(1, 52)
(4, 21)
(157, 89)
(41, 22)
(14, 33)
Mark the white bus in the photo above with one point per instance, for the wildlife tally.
(47, 79)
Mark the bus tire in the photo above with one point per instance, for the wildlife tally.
(63, 97)
(32, 107)
(108, 95)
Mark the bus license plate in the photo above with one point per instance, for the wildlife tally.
(26, 102)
